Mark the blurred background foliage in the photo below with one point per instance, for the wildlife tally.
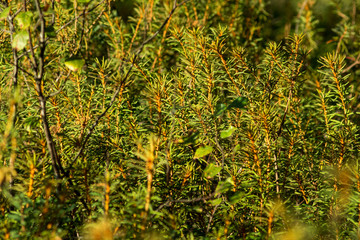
(233, 119)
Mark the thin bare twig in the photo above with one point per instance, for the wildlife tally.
(26, 72)
(39, 74)
(80, 15)
(63, 26)
(211, 218)
(356, 62)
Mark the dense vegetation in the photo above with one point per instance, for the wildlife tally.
(168, 119)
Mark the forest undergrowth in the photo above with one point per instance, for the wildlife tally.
(191, 119)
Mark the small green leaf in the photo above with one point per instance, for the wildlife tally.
(216, 201)
(227, 133)
(24, 19)
(15, 216)
(211, 170)
(240, 102)
(5, 13)
(20, 40)
(203, 151)
(236, 148)
(74, 64)
(224, 186)
(236, 198)
(219, 109)
(83, 1)
(198, 209)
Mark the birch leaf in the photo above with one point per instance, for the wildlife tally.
(75, 64)
(20, 40)
(24, 19)
(227, 133)
(203, 151)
